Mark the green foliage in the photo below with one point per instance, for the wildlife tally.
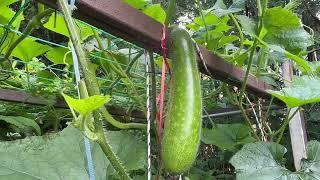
(198, 174)
(7, 2)
(227, 136)
(61, 156)
(285, 29)
(60, 55)
(130, 148)
(265, 159)
(58, 25)
(87, 105)
(304, 90)
(220, 9)
(22, 123)
(248, 24)
(138, 4)
(154, 11)
(28, 49)
(6, 15)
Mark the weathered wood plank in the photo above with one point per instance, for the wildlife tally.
(297, 129)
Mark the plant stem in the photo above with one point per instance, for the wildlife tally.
(235, 21)
(89, 75)
(90, 81)
(249, 122)
(284, 125)
(170, 12)
(204, 20)
(254, 46)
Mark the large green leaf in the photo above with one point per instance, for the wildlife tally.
(87, 105)
(58, 25)
(285, 29)
(28, 49)
(227, 136)
(22, 123)
(304, 90)
(130, 148)
(62, 156)
(156, 12)
(262, 160)
(311, 165)
(256, 160)
(59, 55)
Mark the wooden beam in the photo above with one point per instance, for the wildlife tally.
(297, 128)
(122, 20)
(26, 98)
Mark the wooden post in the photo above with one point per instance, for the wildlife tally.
(297, 125)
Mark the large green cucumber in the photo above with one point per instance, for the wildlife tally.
(182, 125)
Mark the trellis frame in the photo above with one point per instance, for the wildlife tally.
(124, 21)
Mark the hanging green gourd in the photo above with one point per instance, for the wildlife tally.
(182, 126)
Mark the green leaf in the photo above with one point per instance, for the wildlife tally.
(198, 174)
(209, 19)
(156, 12)
(28, 49)
(227, 40)
(6, 3)
(6, 15)
(248, 24)
(285, 29)
(138, 4)
(227, 136)
(22, 123)
(58, 25)
(45, 76)
(129, 147)
(257, 160)
(301, 62)
(304, 90)
(63, 156)
(220, 8)
(59, 55)
(238, 4)
(87, 105)
(263, 160)
(311, 165)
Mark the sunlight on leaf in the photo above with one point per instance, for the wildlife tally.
(87, 105)
(28, 49)
(58, 25)
(156, 12)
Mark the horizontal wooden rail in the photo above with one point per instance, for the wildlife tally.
(27, 98)
(122, 20)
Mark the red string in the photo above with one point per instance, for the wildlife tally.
(163, 77)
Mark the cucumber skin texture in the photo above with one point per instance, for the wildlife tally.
(182, 126)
